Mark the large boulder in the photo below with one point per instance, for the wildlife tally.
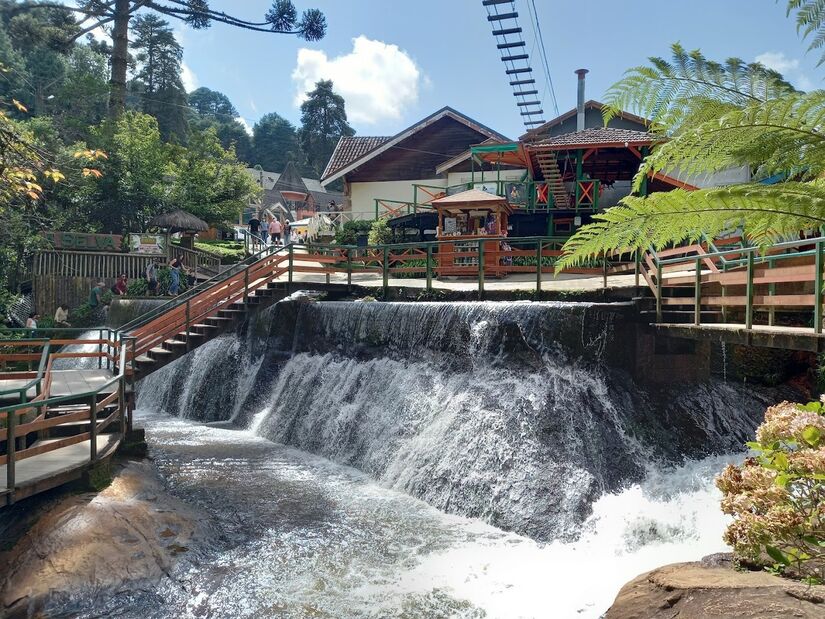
(712, 588)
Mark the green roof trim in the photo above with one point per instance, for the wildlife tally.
(495, 148)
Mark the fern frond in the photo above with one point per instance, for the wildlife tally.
(666, 91)
(774, 136)
(764, 213)
(810, 20)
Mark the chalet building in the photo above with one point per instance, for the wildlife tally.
(291, 196)
(387, 168)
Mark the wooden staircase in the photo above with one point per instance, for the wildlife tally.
(210, 309)
(549, 165)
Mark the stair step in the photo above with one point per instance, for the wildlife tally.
(184, 335)
(171, 344)
(201, 327)
(159, 352)
(221, 320)
(144, 359)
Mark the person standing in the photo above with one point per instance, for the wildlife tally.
(96, 295)
(254, 230)
(275, 231)
(175, 268)
(31, 321)
(152, 277)
(287, 234)
(264, 231)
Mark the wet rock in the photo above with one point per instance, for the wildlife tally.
(92, 544)
(710, 588)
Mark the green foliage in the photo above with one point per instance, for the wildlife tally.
(229, 252)
(323, 122)
(348, 233)
(810, 21)
(208, 180)
(137, 288)
(212, 104)
(776, 498)
(380, 233)
(681, 216)
(275, 142)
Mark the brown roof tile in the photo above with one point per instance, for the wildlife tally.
(596, 136)
(349, 149)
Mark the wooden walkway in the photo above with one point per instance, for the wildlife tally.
(788, 338)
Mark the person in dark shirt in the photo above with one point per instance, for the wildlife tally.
(254, 229)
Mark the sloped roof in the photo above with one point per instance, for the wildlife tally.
(597, 136)
(290, 180)
(331, 174)
(471, 195)
(592, 104)
(350, 148)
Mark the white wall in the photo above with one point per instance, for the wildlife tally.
(456, 178)
(363, 195)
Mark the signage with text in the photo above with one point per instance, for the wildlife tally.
(79, 241)
(148, 244)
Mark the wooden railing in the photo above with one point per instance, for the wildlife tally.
(739, 281)
(199, 263)
(38, 415)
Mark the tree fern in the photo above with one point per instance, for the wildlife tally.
(771, 136)
(667, 91)
(766, 213)
(810, 22)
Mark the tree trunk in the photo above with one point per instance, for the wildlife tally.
(120, 57)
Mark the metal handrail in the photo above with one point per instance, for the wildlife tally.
(41, 369)
(204, 285)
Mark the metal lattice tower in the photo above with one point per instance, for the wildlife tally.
(503, 18)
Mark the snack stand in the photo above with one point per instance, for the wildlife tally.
(464, 220)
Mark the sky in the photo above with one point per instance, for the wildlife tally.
(397, 61)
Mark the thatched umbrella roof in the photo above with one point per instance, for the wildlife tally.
(179, 221)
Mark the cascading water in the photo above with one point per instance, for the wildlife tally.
(523, 415)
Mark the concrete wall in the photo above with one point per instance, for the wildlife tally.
(363, 195)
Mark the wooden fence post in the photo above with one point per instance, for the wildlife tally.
(749, 293)
(386, 270)
(481, 269)
(539, 245)
(11, 449)
(93, 426)
(659, 289)
(349, 270)
(697, 293)
(429, 268)
(818, 289)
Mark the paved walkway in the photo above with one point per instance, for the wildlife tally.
(64, 383)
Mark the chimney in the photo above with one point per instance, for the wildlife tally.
(580, 101)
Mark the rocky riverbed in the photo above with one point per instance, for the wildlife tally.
(70, 548)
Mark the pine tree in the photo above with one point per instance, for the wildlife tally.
(323, 122)
(281, 18)
(158, 79)
(275, 142)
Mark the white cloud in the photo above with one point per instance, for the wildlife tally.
(377, 80)
(188, 77)
(247, 127)
(790, 68)
(778, 62)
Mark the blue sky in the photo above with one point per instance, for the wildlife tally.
(398, 61)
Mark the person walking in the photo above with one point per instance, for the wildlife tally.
(175, 268)
(254, 231)
(287, 234)
(275, 231)
(264, 232)
(96, 295)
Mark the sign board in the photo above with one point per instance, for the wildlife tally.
(148, 244)
(449, 225)
(79, 241)
(516, 193)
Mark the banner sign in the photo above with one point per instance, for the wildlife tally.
(148, 244)
(79, 241)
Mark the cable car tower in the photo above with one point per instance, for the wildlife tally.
(503, 17)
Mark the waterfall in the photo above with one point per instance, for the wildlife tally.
(521, 414)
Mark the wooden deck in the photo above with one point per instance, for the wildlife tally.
(64, 383)
(63, 463)
(788, 338)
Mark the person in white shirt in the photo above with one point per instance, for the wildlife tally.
(61, 316)
(31, 321)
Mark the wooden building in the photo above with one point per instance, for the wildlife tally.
(380, 173)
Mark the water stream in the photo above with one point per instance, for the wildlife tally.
(432, 460)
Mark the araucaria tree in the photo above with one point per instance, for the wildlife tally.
(323, 122)
(713, 116)
(281, 18)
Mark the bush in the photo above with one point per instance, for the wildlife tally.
(138, 288)
(86, 316)
(348, 233)
(380, 233)
(777, 498)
